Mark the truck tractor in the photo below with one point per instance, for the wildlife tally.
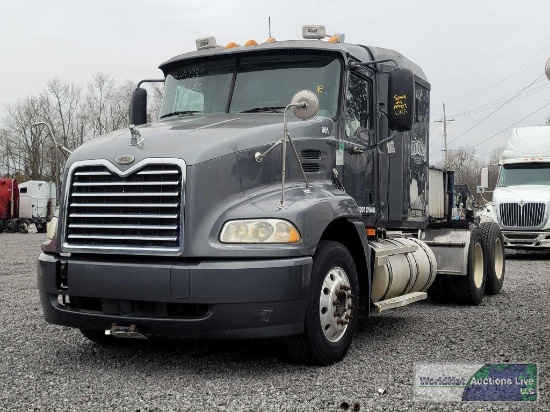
(522, 194)
(26, 206)
(284, 191)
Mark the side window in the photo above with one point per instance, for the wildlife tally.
(358, 107)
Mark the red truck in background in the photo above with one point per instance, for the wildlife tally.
(27, 206)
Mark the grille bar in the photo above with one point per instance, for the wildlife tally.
(92, 174)
(124, 194)
(139, 210)
(141, 227)
(113, 237)
(528, 215)
(136, 205)
(127, 184)
(123, 216)
(158, 172)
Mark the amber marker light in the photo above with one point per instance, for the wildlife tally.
(231, 45)
(251, 43)
(370, 231)
(271, 40)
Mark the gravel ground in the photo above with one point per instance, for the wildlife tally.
(46, 367)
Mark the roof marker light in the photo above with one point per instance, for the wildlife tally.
(337, 38)
(251, 43)
(231, 45)
(271, 40)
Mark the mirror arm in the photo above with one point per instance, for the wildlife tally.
(353, 65)
(386, 139)
(149, 81)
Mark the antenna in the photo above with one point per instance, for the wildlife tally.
(269, 24)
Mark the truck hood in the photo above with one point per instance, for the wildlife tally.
(196, 139)
(527, 193)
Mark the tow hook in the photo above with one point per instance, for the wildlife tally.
(127, 332)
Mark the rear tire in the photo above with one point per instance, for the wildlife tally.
(11, 226)
(1, 226)
(23, 226)
(326, 339)
(470, 289)
(493, 246)
(440, 290)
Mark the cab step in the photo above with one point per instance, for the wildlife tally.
(400, 301)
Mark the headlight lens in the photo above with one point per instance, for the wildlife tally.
(51, 227)
(259, 231)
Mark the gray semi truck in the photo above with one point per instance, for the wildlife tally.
(284, 191)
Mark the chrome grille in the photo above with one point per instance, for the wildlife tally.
(526, 215)
(136, 211)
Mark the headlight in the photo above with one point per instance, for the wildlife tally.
(52, 225)
(259, 231)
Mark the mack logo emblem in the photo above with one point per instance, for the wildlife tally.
(125, 159)
(521, 203)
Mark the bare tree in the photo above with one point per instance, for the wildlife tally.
(98, 97)
(467, 168)
(28, 143)
(155, 101)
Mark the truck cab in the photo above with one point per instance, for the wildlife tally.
(521, 198)
(282, 193)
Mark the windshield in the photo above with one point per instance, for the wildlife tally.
(524, 174)
(251, 84)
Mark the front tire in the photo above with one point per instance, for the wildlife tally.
(332, 307)
(493, 245)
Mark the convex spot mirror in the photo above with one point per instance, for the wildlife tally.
(138, 107)
(307, 105)
(401, 99)
(547, 69)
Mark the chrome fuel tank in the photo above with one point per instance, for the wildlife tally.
(402, 265)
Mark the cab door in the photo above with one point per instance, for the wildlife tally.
(360, 171)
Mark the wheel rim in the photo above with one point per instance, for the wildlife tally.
(478, 265)
(499, 259)
(335, 304)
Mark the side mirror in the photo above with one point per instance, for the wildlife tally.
(306, 104)
(401, 99)
(485, 177)
(547, 69)
(138, 107)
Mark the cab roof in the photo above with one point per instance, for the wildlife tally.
(358, 52)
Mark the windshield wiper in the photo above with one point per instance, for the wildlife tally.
(271, 109)
(181, 112)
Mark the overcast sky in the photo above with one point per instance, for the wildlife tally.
(464, 46)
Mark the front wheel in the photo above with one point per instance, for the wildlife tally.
(332, 307)
(493, 246)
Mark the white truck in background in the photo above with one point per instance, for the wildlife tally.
(521, 199)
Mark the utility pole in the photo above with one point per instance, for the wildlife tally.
(444, 121)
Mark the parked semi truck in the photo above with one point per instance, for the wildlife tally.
(26, 204)
(285, 190)
(521, 197)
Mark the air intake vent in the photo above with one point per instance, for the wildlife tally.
(311, 154)
(525, 215)
(136, 211)
(311, 167)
